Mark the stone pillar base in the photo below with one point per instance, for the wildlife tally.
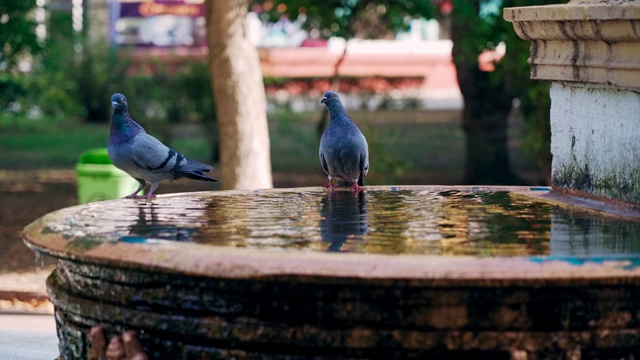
(595, 140)
(591, 50)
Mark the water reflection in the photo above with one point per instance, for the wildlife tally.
(344, 216)
(473, 223)
(378, 221)
(285, 221)
(151, 226)
(580, 233)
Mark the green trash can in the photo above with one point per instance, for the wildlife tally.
(98, 179)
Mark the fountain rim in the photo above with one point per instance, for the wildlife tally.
(194, 259)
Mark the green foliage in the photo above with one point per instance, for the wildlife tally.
(343, 17)
(101, 71)
(17, 41)
(47, 143)
(294, 146)
(69, 83)
(11, 87)
(389, 168)
(535, 102)
(75, 80)
(79, 83)
(197, 96)
(54, 94)
(482, 28)
(479, 33)
(406, 147)
(17, 32)
(171, 90)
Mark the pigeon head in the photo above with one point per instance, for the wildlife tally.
(330, 98)
(119, 102)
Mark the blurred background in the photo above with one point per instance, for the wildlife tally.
(440, 88)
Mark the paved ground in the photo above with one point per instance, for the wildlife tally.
(28, 337)
(27, 326)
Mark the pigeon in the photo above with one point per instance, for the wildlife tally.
(344, 218)
(343, 152)
(144, 157)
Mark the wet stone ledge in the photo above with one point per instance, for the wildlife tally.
(182, 317)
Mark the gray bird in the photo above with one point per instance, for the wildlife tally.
(144, 157)
(344, 152)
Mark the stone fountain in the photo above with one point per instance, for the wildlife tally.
(458, 272)
(417, 271)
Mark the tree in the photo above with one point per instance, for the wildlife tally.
(17, 32)
(477, 25)
(17, 40)
(349, 19)
(535, 102)
(239, 96)
(487, 98)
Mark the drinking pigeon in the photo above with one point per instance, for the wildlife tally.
(344, 152)
(144, 157)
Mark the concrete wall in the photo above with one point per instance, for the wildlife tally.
(595, 140)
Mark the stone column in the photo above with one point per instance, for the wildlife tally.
(590, 49)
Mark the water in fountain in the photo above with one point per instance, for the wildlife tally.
(384, 222)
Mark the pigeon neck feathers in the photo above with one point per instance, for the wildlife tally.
(337, 111)
(123, 124)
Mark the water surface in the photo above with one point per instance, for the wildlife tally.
(481, 223)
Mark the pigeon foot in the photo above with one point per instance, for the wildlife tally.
(357, 188)
(135, 197)
(329, 185)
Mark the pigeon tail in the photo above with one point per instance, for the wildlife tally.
(192, 169)
(196, 175)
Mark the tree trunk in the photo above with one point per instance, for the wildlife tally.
(238, 91)
(487, 103)
(487, 154)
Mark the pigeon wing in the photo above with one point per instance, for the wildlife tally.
(364, 164)
(152, 155)
(364, 161)
(325, 167)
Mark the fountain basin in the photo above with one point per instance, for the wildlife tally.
(205, 275)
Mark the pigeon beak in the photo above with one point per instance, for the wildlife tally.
(324, 100)
(114, 104)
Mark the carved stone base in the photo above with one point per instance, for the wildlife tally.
(591, 50)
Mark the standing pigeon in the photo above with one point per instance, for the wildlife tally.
(344, 152)
(144, 157)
